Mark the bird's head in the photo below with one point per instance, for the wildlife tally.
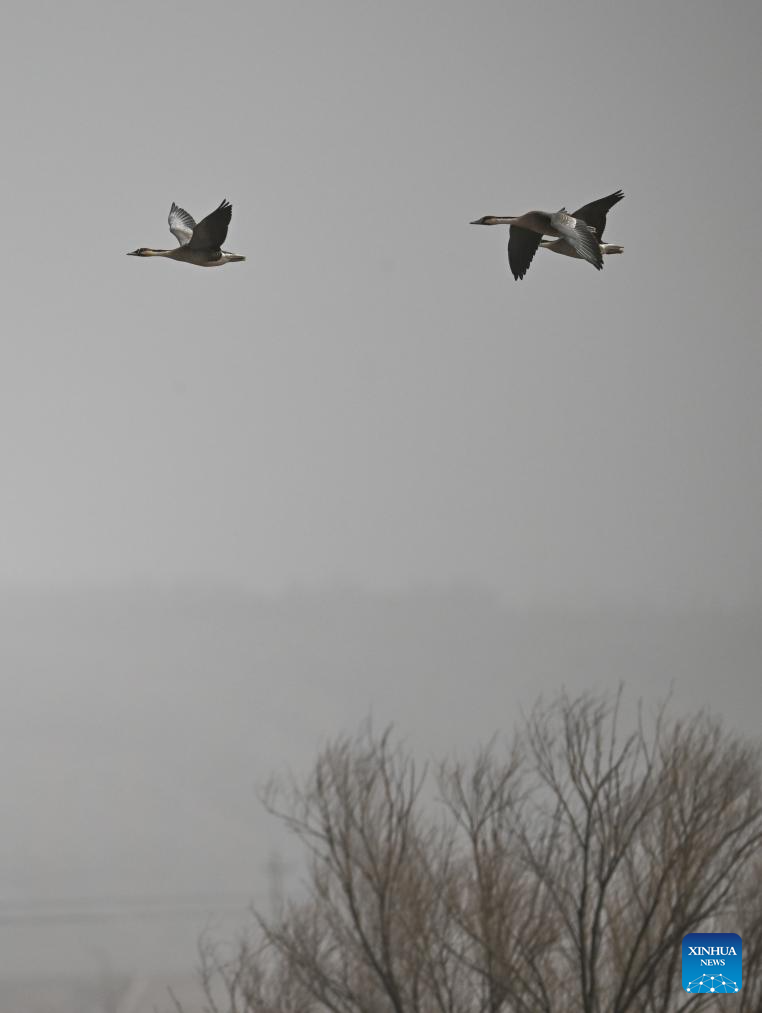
(141, 251)
(487, 220)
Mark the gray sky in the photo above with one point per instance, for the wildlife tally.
(370, 402)
(371, 397)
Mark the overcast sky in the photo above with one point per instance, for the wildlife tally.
(369, 401)
(371, 397)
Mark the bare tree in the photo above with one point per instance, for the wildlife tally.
(369, 935)
(626, 843)
(559, 877)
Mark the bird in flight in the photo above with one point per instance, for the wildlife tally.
(199, 244)
(594, 214)
(576, 235)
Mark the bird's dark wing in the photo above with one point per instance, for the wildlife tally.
(581, 236)
(522, 246)
(211, 231)
(595, 212)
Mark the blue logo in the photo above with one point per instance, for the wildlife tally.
(712, 962)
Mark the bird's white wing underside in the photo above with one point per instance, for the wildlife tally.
(181, 224)
(580, 236)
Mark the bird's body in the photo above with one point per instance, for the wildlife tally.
(576, 235)
(561, 246)
(200, 258)
(199, 244)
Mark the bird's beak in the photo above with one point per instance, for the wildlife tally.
(132, 253)
(477, 222)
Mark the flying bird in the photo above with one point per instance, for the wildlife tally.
(576, 235)
(199, 244)
(594, 214)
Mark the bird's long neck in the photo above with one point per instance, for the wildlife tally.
(502, 219)
(157, 253)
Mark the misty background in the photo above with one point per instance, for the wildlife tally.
(364, 472)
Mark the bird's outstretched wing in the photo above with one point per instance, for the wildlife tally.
(211, 231)
(181, 224)
(595, 212)
(580, 235)
(522, 246)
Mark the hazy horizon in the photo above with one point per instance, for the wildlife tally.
(140, 724)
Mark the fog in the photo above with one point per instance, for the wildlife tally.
(142, 724)
(365, 472)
